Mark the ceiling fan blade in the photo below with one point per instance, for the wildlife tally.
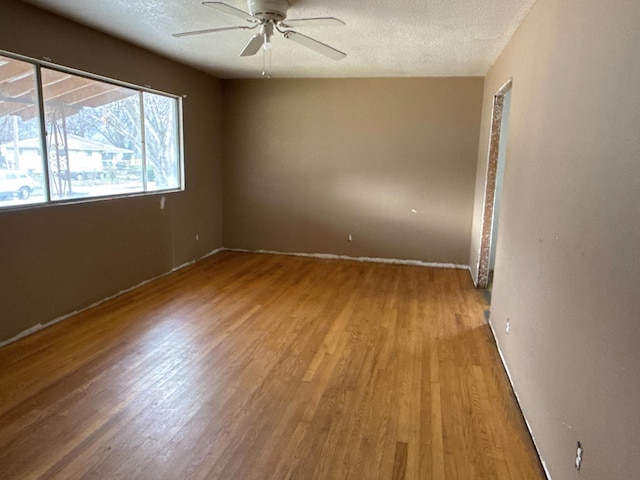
(253, 46)
(236, 12)
(315, 45)
(209, 30)
(315, 22)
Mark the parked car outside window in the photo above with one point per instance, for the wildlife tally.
(16, 183)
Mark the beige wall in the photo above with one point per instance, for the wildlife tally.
(58, 259)
(390, 161)
(568, 262)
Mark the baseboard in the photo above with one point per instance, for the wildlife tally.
(515, 393)
(356, 259)
(41, 326)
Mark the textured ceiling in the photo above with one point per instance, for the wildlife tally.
(382, 38)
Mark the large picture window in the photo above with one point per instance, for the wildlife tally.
(68, 137)
(21, 156)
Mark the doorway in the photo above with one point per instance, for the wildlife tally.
(493, 185)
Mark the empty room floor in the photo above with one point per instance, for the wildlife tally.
(255, 366)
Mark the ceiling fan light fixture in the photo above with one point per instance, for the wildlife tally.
(267, 32)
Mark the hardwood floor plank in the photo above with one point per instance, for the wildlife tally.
(400, 462)
(254, 366)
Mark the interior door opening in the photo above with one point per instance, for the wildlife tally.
(493, 187)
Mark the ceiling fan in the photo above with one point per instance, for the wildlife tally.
(270, 15)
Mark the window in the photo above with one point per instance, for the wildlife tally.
(161, 142)
(21, 156)
(101, 138)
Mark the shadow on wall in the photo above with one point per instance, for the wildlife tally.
(384, 218)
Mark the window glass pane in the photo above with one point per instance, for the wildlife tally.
(97, 144)
(21, 159)
(93, 136)
(161, 141)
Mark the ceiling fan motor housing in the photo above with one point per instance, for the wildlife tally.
(275, 10)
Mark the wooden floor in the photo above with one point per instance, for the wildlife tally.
(249, 366)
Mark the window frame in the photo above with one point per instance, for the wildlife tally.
(40, 101)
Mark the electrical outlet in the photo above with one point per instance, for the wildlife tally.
(579, 456)
(350, 238)
(508, 327)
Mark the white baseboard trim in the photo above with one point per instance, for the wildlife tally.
(332, 256)
(41, 326)
(513, 388)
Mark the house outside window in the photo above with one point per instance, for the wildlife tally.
(71, 136)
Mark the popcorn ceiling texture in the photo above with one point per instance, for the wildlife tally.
(403, 38)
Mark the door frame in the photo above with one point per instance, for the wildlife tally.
(486, 233)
